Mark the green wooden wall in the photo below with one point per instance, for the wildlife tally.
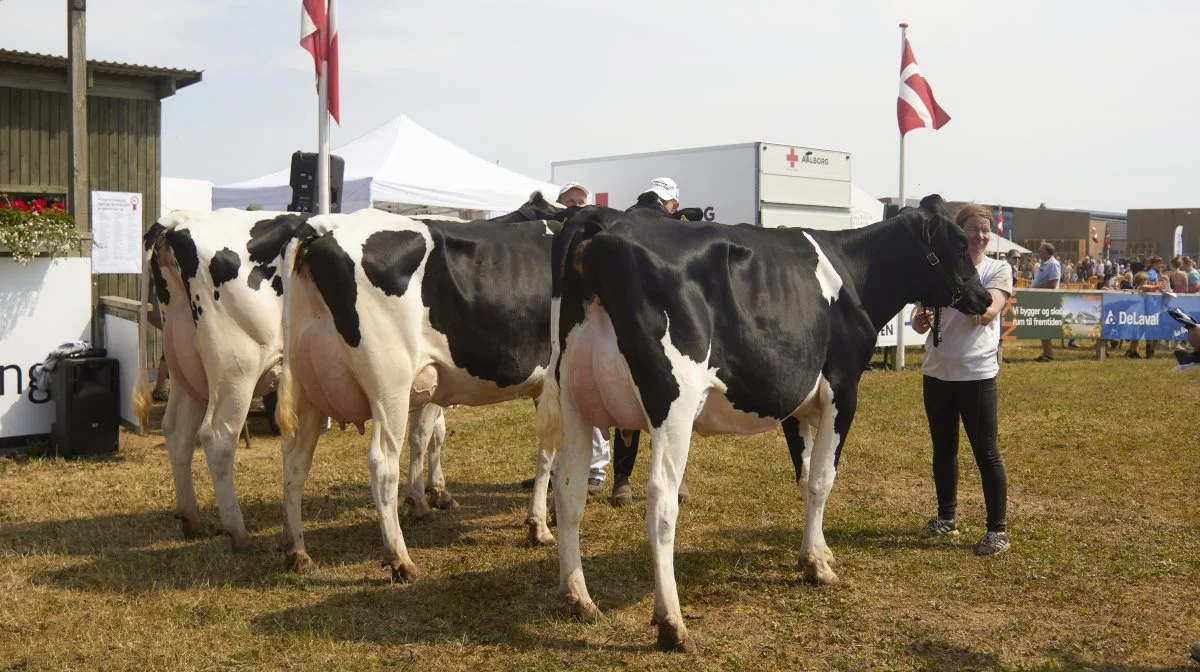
(123, 154)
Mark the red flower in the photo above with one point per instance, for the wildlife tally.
(20, 205)
(39, 205)
(57, 205)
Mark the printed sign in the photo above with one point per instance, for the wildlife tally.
(1144, 316)
(117, 227)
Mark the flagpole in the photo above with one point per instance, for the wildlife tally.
(323, 141)
(900, 317)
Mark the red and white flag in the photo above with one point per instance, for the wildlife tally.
(1095, 235)
(318, 35)
(1000, 223)
(916, 107)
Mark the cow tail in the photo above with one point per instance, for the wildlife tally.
(140, 401)
(294, 271)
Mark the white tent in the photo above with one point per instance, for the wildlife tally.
(403, 168)
(865, 209)
(1003, 245)
(177, 193)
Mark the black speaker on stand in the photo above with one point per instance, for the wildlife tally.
(304, 182)
(87, 406)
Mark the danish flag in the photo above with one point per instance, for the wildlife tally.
(318, 35)
(1095, 235)
(1000, 223)
(916, 107)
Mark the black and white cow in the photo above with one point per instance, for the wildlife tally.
(386, 313)
(216, 275)
(669, 327)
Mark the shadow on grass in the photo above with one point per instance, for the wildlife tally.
(494, 606)
(144, 552)
(936, 655)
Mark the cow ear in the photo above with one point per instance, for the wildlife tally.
(931, 202)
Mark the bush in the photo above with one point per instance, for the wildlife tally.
(28, 228)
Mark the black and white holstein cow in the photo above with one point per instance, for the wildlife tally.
(669, 327)
(385, 314)
(217, 279)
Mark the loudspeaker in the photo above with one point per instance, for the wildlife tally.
(304, 182)
(87, 406)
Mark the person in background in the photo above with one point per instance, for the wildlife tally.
(1047, 277)
(1188, 266)
(959, 384)
(662, 196)
(1177, 277)
(1154, 269)
(571, 195)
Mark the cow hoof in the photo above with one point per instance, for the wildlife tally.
(242, 543)
(192, 528)
(403, 572)
(817, 572)
(674, 638)
(538, 533)
(440, 499)
(417, 509)
(585, 612)
(299, 562)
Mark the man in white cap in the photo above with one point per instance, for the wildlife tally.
(574, 194)
(663, 195)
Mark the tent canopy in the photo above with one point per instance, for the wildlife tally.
(401, 167)
(177, 193)
(1003, 245)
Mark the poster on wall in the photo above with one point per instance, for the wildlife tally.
(117, 227)
(42, 304)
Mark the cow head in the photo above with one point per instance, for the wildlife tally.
(537, 207)
(947, 275)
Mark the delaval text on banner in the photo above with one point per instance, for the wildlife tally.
(1144, 316)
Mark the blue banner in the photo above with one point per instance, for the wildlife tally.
(1144, 316)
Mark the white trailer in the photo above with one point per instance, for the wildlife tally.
(758, 182)
(762, 183)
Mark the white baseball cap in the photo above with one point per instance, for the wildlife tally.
(573, 185)
(665, 188)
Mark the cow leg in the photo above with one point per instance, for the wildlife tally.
(438, 495)
(421, 426)
(570, 498)
(180, 425)
(816, 559)
(799, 443)
(535, 521)
(297, 461)
(383, 460)
(227, 409)
(669, 446)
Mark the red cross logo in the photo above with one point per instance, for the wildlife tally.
(791, 157)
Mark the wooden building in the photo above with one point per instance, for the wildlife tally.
(124, 122)
(1152, 231)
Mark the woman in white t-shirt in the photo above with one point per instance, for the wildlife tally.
(960, 385)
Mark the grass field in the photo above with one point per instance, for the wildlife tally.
(1103, 574)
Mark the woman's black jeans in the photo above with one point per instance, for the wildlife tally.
(974, 403)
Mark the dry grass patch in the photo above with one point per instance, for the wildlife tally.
(1102, 460)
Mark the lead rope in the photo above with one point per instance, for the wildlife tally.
(937, 326)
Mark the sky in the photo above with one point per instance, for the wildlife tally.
(1092, 105)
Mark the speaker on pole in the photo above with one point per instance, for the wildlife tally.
(304, 182)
